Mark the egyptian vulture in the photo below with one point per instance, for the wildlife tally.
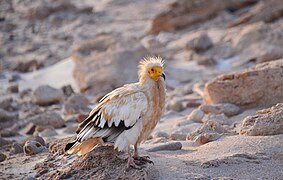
(127, 115)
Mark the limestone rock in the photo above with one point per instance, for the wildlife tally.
(46, 95)
(265, 122)
(226, 108)
(106, 63)
(77, 103)
(259, 86)
(196, 116)
(183, 13)
(171, 146)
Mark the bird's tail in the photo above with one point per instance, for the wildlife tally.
(81, 148)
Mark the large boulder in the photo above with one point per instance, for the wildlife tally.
(258, 86)
(265, 122)
(184, 13)
(106, 63)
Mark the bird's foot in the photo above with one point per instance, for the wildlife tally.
(143, 159)
(131, 164)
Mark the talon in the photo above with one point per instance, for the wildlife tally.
(143, 159)
(131, 163)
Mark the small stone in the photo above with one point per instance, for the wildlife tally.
(206, 137)
(8, 103)
(68, 90)
(8, 133)
(14, 88)
(178, 135)
(226, 108)
(196, 116)
(176, 106)
(4, 142)
(33, 147)
(200, 43)
(170, 146)
(29, 128)
(8, 116)
(45, 95)
(16, 148)
(48, 133)
(160, 134)
(2, 157)
(77, 103)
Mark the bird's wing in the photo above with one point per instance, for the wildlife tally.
(117, 111)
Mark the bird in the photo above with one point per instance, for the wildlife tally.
(127, 115)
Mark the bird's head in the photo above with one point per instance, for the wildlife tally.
(151, 67)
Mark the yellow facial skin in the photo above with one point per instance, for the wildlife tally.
(155, 72)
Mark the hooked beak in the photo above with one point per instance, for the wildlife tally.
(163, 75)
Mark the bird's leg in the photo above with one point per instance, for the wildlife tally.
(131, 162)
(142, 159)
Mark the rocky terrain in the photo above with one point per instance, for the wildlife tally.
(224, 69)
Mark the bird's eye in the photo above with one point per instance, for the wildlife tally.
(152, 70)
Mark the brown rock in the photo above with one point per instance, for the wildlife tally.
(29, 128)
(33, 147)
(171, 146)
(81, 117)
(13, 88)
(94, 71)
(68, 90)
(77, 103)
(46, 95)
(265, 122)
(249, 88)
(16, 148)
(183, 13)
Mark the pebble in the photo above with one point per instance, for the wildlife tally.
(2, 157)
(160, 134)
(77, 103)
(170, 146)
(16, 148)
(200, 43)
(14, 88)
(48, 133)
(196, 116)
(176, 105)
(33, 147)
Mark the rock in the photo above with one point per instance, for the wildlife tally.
(267, 11)
(29, 128)
(8, 103)
(48, 133)
(8, 116)
(249, 88)
(205, 60)
(91, 65)
(4, 142)
(200, 43)
(8, 133)
(257, 43)
(33, 147)
(16, 148)
(2, 157)
(226, 108)
(170, 146)
(266, 122)
(46, 95)
(48, 118)
(176, 105)
(68, 90)
(150, 42)
(182, 132)
(196, 116)
(219, 118)
(14, 88)
(75, 104)
(160, 134)
(182, 13)
(208, 132)
(206, 137)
